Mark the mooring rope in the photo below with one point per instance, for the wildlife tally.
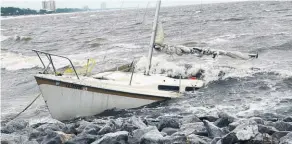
(26, 107)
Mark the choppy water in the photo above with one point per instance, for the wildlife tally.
(248, 88)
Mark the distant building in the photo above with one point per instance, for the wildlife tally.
(86, 8)
(49, 5)
(103, 5)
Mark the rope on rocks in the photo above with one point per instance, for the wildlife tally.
(26, 107)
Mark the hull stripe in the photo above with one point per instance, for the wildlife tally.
(41, 81)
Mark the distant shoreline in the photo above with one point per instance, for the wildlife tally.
(64, 13)
(52, 14)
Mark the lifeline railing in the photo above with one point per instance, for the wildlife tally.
(49, 56)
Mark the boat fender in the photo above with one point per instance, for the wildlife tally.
(193, 78)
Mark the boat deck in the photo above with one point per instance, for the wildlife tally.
(120, 81)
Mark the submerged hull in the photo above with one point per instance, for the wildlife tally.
(68, 97)
(66, 103)
(66, 100)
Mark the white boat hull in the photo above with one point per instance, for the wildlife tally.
(66, 103)
(68, 97)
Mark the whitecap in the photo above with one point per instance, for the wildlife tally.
(16, 61)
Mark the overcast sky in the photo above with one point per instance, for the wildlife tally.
(36, 4)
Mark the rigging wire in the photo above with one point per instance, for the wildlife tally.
(146, 10)
(26, 107)
(138, 14)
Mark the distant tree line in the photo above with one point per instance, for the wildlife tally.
(12, 11)
(7, 11)
(67, 10)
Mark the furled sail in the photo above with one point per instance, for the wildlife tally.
(180, 50)
(159, 37)
(159, 45)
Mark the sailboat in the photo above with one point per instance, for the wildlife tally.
(71, 96)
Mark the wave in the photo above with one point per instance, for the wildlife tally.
(282, 10)
(228, 19)
(22, 38)
(234, 19)
(74, 17)
(3, 38)
(16, 38)
(14, 61)
(283, 47)
(17, 61)
(211, 71)
(225, 38)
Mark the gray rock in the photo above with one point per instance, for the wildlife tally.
(169, 131)
(190, 119)
(246, 131)
(270, 116)
(194, 128)
(178, 139)
(226, 115)
(91, 129)
(128, 127)
(12, 139)
(233, 125)
(215, 140)
(70, 129)
(213, 131)
(108, 128)
(219, 142)
(258, 120)
(120, 137)
(51, 126)
(194, 139)
(288, 119)
(206, 139)
(267, 129)
(286, 139)
(151, 122)
(31, 142)
(225, 130)
(209, 118)
(261, 139)
(65, 137)
(35, 134)
(81, 125)
(168, 122)
(137, 134)
(229, 138)
(154, 137)
(243, 132)
(138, 122)
(6, 142)
(132, 124)
(13, 126)
(51, 138)
(163, 134)
(282, 126)
(278, 135)
(84, 139)
(222, 122)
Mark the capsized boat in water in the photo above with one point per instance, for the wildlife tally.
(70, 96)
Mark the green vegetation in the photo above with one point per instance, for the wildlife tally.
(7, 11)
(67, 10)
(13, 11)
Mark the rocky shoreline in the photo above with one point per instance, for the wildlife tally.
(220, 129)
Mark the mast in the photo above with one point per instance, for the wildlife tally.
(148, 66)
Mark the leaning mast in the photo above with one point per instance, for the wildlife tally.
(152, 41)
